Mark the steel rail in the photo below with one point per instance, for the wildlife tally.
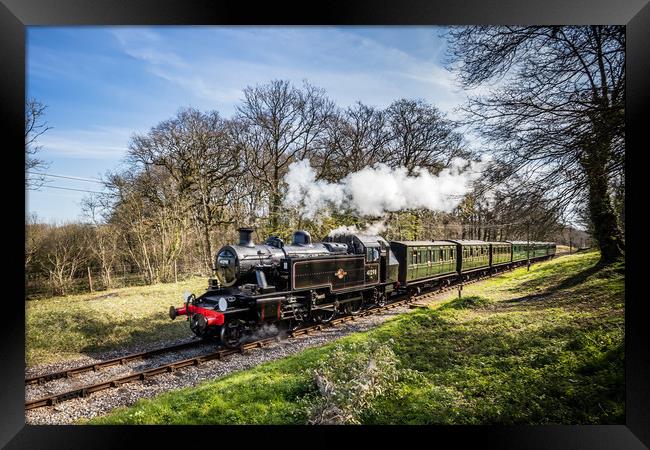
(40, 379)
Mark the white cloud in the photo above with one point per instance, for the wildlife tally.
(349, 66)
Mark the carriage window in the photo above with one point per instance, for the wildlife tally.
(452, 253)
(414, 257)
(372, 254)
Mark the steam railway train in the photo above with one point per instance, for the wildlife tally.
(305, 281)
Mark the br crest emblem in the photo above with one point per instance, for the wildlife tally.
(340, 273)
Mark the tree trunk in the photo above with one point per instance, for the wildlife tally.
(208, 247)
(206, 222)
(276, 202)
(606, 230)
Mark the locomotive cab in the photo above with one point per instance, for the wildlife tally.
(377, 254)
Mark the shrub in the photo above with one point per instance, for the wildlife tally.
(349, 379)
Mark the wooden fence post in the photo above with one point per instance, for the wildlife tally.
(90, 279)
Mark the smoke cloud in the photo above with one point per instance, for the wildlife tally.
(372, 229)
(373, 191)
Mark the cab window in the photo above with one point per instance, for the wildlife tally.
(372, 254)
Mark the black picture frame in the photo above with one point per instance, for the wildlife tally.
(15, 15)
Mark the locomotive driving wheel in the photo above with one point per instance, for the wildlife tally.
(324, 315)
(354, 307)
(231, 335)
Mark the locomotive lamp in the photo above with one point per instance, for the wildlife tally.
(223, 304)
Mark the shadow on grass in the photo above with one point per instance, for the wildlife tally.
(129, 333)
(469, 302)
(529, 376)
(552, 278)
(578, 278)
(527, 299)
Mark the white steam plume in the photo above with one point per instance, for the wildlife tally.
(372, 229)
(377, 190)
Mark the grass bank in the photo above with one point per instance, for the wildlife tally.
(544, 346)
(61, 328)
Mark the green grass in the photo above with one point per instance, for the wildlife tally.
(537, 347)
(61, 328)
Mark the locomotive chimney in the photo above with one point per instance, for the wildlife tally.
(246, 237)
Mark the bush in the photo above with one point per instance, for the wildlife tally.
(349, 379)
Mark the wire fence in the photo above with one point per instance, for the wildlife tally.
(91, 280)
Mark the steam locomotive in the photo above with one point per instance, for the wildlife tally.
(305, 281)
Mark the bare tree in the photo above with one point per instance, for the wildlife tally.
(197, 151)
(35, 126)
(64, 255)
(421, 137)
(103, 245)
(35, 233)
(355, 138)
(557, 118)
(279, 124)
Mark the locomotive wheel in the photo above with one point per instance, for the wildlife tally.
(293, 325)
(230, 335)
(323, 315)
(381, 300)
(354, 308)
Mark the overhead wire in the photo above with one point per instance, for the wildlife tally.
(69, 177)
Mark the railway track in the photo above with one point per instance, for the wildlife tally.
(41, 379)
(219, 354)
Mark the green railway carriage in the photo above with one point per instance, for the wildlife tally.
(500, 253)
(543, 249)
(474, 255)
(538, 250)
(421, 260)
(520, 250)
(546, 249)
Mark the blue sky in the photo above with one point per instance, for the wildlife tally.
(102, 84)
